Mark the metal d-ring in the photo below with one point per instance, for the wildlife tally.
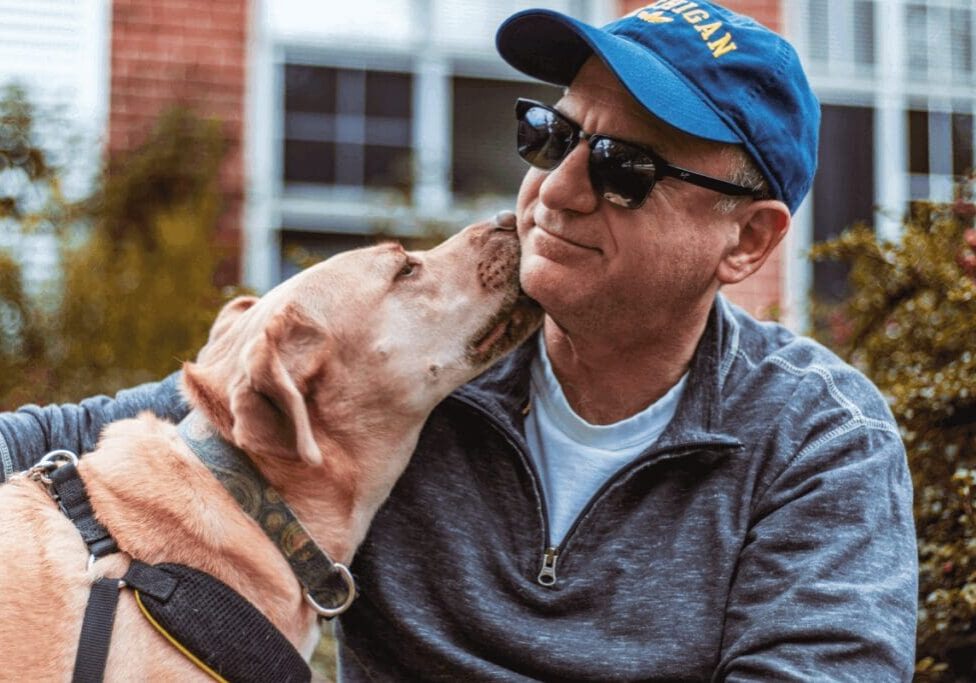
(329, 612)
(51, 460)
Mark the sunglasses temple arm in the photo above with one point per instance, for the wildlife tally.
(708, 182)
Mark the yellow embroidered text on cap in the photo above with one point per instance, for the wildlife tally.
(689, 12)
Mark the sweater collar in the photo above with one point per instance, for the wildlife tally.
(503, 389)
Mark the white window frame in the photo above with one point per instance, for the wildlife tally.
(890, 90)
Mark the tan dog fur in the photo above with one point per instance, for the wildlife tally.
(325, 382)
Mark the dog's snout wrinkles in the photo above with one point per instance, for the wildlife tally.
(499, 260)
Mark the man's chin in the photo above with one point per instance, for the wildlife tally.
(553, 285)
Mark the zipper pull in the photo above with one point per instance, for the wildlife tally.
(547, 575)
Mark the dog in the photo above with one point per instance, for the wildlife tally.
(325, 383)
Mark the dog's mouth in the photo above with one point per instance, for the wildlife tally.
(517, 319)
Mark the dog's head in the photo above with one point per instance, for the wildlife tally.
(361, 345)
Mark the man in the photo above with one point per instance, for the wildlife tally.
(658, 487)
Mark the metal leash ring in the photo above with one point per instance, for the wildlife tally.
(54, 458)
(50, 462)
(329, 612)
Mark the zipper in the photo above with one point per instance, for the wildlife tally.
(547, 575)
(550, 553)
(548, 566)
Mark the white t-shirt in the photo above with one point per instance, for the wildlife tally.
(573, 457)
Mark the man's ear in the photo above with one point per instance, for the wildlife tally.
(762, 224)
(280, 368)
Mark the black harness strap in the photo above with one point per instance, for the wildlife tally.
(208, 621)
(151, 580)
(96, 627)
(96, 632)
(70, 493)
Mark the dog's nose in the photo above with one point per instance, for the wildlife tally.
(504, 220)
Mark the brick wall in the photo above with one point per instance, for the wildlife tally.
(767, 12)
(762, 293)
(191, 53)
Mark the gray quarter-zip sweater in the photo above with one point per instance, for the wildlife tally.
(767, 535)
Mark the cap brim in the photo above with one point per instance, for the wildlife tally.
(552, 47)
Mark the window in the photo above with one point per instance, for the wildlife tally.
(918, 142)
(864, 32)
(840, 34)
(961, 43)
(940, 144)
(483, 152)
(962, 144)
(347, 127)
(916, 40)
(843, 191)
(818, 30)
(939, 42)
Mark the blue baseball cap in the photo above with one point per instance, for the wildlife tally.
(699, 67)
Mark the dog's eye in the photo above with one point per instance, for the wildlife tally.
(408, 269)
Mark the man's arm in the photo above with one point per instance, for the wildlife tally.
(827, 582)
(29, 432)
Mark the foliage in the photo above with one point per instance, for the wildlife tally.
(910, 325)
(22, 347)
(139, 293)
(136, 294)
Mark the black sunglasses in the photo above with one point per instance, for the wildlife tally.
(621, 172)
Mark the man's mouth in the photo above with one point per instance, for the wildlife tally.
(562, 238)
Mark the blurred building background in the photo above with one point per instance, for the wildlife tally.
(395, 117)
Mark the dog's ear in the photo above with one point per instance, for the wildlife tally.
(269, 406)
(229, 314)
(203, 381)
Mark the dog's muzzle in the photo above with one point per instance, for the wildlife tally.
(498, 263)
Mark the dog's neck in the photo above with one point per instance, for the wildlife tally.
(337, 500)
(328, 584)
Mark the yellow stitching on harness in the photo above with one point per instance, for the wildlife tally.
(189, 655)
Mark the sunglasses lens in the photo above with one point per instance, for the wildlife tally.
(623, 174)
(543, 139)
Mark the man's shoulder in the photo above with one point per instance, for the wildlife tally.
(800, 410)
(783, 370)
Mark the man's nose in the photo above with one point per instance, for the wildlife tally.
(568, 186)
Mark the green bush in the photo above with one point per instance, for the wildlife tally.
(140, 293)
(135, 294)
(909, 323)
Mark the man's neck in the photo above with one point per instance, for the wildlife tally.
(608, 377)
